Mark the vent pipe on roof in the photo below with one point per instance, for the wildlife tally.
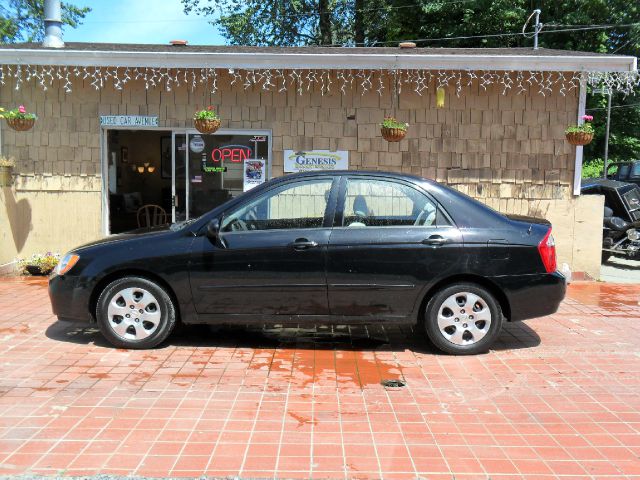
(52, 24)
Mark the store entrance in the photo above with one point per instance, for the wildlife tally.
(157, 177)
(139, 177)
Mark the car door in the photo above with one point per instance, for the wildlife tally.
(270, 256)
(390, 239)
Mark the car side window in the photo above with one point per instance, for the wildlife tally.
(384, 203)
(295, 205)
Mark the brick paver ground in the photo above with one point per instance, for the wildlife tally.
(558, 396)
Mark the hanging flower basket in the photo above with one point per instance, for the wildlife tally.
(21, 124)
(18, 118)
(207, 120)
(579, 138)
(392, 130)
(580, 134)
(206, 126)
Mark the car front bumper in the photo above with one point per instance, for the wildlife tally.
(69, 300)
(532, 296)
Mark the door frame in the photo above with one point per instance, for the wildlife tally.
(104, 161)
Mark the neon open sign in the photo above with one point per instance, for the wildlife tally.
(231, 153)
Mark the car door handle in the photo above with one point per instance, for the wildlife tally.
(303, 244)
(435, 240)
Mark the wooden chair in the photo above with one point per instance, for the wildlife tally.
(151, 216)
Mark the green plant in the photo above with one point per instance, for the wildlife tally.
(391, 122)
(46, 262)
(18, 112)
(7, 161)
(586, 127)
(206, 114)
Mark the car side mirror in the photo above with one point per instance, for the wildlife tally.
(213, 229)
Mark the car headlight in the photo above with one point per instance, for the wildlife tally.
(66, 263)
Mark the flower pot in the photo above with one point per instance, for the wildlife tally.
(393, 134)
(6, 176)
(206, 126)
(579, 138)
(37, 271)
(21, 124)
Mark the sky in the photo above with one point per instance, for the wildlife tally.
(141, 21)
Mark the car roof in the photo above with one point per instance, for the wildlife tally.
(369, 173)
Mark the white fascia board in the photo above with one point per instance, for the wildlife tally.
(186, 59)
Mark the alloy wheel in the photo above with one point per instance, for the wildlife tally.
(133, 314)
(464, 318)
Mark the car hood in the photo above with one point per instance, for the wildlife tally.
(131, 235)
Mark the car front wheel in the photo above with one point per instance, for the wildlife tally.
(463, 319)
(134, 312)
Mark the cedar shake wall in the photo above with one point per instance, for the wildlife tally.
(507, 150)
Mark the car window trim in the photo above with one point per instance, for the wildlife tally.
(342, 197)
(328, 214)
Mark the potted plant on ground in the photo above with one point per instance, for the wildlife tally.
(393, 130)
(39, 263)
(580, 134)
(6, 171)
(206, 120)
(18, 118)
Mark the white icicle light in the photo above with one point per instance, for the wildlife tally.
(305, 80)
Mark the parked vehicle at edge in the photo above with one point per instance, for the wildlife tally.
(621, 225)
(338, 247)
(628, 172)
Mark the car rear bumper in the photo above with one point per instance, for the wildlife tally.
(69, 301)
(532, 296)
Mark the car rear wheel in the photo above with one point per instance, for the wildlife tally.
(134, 312)
(463, 319)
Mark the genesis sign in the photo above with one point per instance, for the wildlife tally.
(315, 160)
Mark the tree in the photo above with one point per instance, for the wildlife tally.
(23, 20)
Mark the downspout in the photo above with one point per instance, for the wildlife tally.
(52, 24)
(582, 102)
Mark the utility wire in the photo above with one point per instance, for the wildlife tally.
(629, 105)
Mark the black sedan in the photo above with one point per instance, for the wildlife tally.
(338, 247)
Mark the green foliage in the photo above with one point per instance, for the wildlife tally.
(593, 168)
(206, 114)
(584, 128)
(23, 20)
(391, 122)
(18, 112)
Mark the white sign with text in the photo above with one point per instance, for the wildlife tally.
(315, 160)
(128, 121)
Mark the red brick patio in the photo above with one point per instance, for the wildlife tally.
(559, 396)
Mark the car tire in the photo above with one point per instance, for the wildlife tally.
(449, 325)
(135, 313)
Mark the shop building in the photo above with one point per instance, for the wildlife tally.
(115, 130)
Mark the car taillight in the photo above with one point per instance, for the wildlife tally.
(547, 249)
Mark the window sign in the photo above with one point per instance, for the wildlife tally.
(315, 160)
(196, 144)
(255, 172)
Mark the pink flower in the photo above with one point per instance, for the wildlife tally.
(21, 109)
(587, 118)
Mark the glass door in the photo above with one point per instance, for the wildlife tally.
(216, 167)
(179, 175)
